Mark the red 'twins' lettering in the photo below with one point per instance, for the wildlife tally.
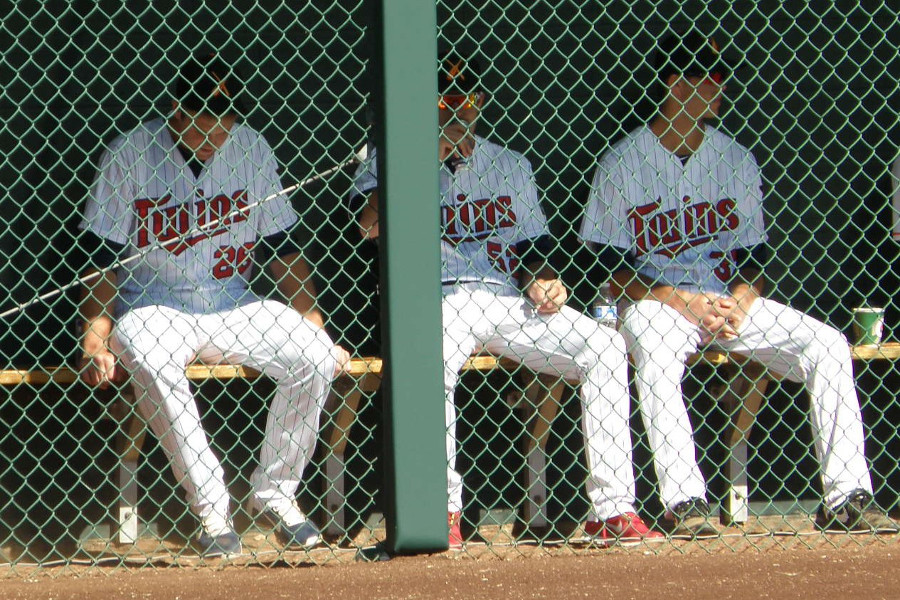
(673, 231)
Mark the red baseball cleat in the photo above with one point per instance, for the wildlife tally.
(627, 529)
(456, 540)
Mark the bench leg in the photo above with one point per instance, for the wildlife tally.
(341, 409)
(129, 442)
(335, 495)
(543, 393)
(743, 398)
(535, 508)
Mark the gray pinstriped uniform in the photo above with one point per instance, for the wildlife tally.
(682, 223)
(144, 193)
(488, 205)
(191, 300)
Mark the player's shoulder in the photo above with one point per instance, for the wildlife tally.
(135, 141)
(501, 156)
(638, 141)
(724, 142)
(247, 137)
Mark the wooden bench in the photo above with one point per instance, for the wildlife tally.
(340, 412)
(540, 396)
(339, 415)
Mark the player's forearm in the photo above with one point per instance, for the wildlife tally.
(750, 283)
(295, 282)
(530, 273)
(747, 288)
(635, 287)
(368, 217)
(96, 309)
(693, 306)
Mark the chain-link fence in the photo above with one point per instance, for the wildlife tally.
(814, 97)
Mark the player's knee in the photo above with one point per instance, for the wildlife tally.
(135, 356)
(830, 342)
(605, 350)
(316, 351)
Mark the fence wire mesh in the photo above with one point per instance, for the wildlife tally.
(813, 97)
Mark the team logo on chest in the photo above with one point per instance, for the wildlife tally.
(671, 232)
(163, 225)
(470, 220)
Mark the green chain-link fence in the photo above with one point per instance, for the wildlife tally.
(814, 99)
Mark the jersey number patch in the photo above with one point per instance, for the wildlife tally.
(231, 260)
(725, 269)
(504, 256)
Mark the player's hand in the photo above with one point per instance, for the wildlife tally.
(728, 308)
(342, 360)
(697, 306)
(700, 309)
(548, 295)
(722, 320)
(456, 139)
(99, 369)
(714, 326)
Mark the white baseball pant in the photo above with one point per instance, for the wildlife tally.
(569, 344)
(790, 344)
(155, 344)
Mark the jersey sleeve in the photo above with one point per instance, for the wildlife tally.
(277, 214)
(533, 223)
(107, 212)
(753, 228)
(605, 222)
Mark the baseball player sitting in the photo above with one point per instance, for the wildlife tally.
(676, 215)
(499, 295)
(187, 295)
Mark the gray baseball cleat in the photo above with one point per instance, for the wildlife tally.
(224, 544)
(859, 513)
(292, 529)
(691, 519)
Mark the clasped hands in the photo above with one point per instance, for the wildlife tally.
(547, 295)
(719, 317)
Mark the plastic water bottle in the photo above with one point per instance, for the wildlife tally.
(604, 308)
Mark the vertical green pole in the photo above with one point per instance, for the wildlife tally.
(416, 465)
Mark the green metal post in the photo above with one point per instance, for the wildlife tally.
(407, 128)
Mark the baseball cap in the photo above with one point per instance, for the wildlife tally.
(458, 73)
(207, 84)
(690, 54)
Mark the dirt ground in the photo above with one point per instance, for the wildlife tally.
(817, 567)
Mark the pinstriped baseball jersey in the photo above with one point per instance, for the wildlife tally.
(145, 194)
(488, 204)
(681, 222)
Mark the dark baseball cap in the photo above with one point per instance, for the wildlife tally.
(458, 73)
(208, 84)
(690, 53)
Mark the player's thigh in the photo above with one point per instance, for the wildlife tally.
(155, 335)
(652, 327)
(777, 335)
(466, 321)
(263, 333)
(770, 323)
(568, 343)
